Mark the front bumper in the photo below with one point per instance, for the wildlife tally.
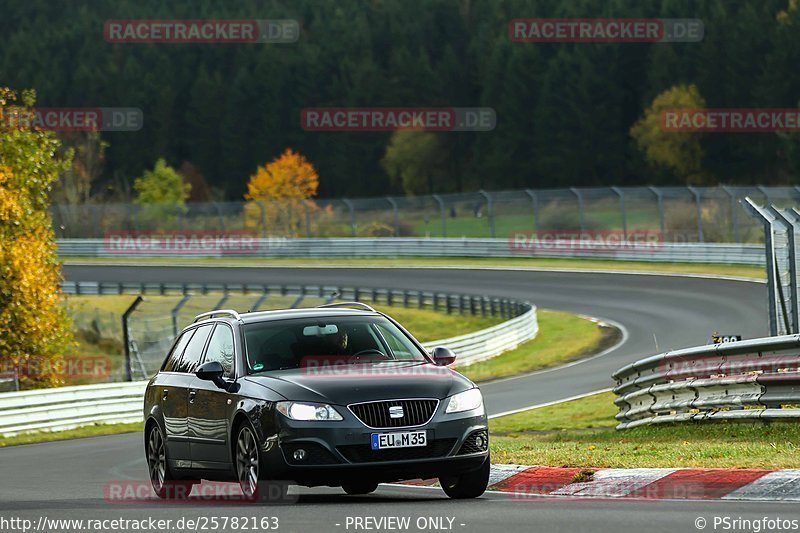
(338, 452)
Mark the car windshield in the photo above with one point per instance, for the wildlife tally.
(298, 343)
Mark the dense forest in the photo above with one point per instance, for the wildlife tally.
(564, 110)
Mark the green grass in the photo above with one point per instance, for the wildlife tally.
(580, 433)
(745, 271)
(562, 337)
(77, 433)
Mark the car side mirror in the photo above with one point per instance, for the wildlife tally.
(212, 371)
(443, 356)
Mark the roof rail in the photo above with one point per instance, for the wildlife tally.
(359, 305)
(210, 314)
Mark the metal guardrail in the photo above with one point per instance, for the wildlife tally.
(757, 379)
(490, 342)
(746, 254)
(69, 407)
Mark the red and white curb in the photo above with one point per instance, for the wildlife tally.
(644, 483)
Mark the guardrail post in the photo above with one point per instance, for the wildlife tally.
(661, 221)
(535, 203)
(442, 213)
(126, 336)
(261, 299)
(393, 203)
(623, 212)
(352, 210)
(579, 195)
(489, 211)
(698, 198)
(176, 310)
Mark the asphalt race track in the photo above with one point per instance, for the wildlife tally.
(67, 479)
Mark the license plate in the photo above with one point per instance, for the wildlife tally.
(406, 439)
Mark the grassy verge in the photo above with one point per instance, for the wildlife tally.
(580, 434)
(77, 433)
(746, 271)
(562, 337)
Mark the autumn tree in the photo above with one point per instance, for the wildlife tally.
(678, 152)
(163, 192)
(279, 194)
(34, 327)
(414, 160)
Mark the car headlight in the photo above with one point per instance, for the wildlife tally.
(464, 401)
(308, 411)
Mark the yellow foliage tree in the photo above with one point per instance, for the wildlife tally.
(279, 194)
(35, 331)
(681, 152)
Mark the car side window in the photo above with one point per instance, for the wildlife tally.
(194, 350)
(220, 348)
(177, 351)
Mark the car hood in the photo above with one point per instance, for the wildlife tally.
(364, 382)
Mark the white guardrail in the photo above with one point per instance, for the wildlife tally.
(69, 407)
(748, 254)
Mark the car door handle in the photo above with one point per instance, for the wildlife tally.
(165, 394)
(192, 394)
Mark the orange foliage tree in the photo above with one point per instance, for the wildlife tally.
(279, 195)
(35, 331)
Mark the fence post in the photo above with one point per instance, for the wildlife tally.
(308, 218)
(535, 201)
(260, 205)
(697, 198)
(352, 210)
(790, 219)
(489, 211)
(734, 215)
(661, 222)
(126, 336)
(579, 195)
(772, 273)
(220, 216)
(442, 213)
(396, 215)
(622, 211)
(176, 310)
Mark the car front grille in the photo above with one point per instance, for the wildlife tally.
(363, 453)
(377, 414)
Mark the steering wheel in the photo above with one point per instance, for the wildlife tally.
(369, 351)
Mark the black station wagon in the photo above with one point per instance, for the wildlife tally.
(337, 395)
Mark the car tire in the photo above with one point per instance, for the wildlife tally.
(356, 489)
(164, 484)
(247, 462)
(469, 485)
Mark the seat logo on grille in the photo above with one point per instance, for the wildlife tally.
(396, 411)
